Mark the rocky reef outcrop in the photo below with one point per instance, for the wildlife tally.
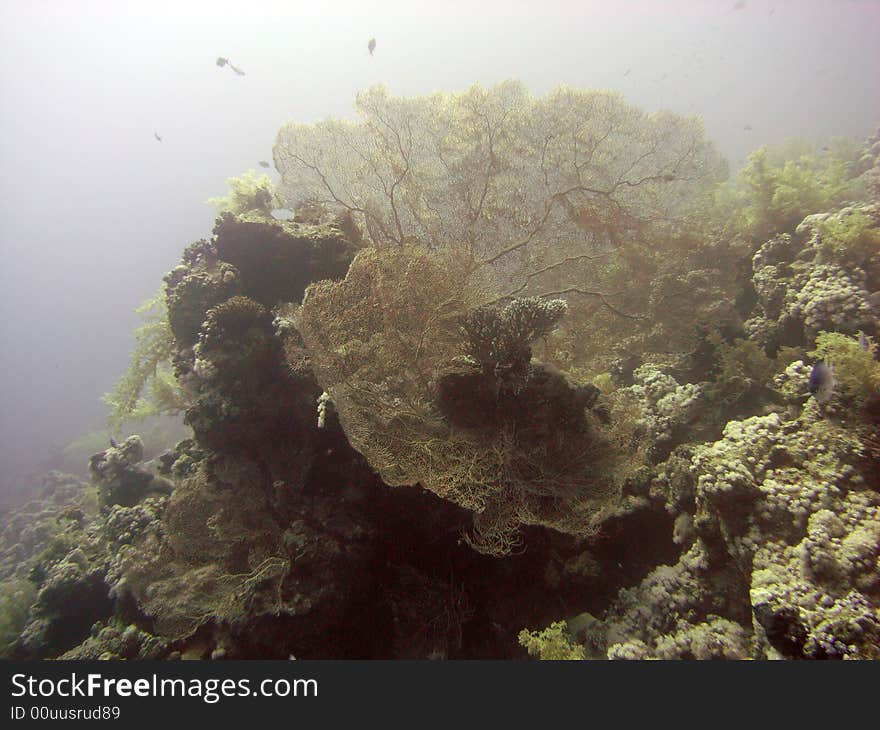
(266, 534)
(780, 557)
(371, 474)
(821, 278)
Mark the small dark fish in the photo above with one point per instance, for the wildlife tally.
(863, 342)
(668, 177)
(113, 442)
(740, 5)
(156, 135)
(263, 163)
(821, 382)
(626, 73)
(221, 62)
(747, 128)
(371, 46)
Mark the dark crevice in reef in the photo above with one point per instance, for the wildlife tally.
(628, 549)
(65, 613)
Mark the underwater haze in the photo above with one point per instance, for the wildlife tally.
(568, 263)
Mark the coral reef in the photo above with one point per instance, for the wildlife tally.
(782, 558)
(551, 643)
(809, 282)
(119, 478)
(424, 419)
(115, 641)
(266, 534)
(72, 596)
(667, 406)
(446, 396)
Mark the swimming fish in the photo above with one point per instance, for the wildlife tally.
(156, 135)
(821, 382)
(263, 163)
(863, 342)
(371, 46)
(221, 62)
(626, 73)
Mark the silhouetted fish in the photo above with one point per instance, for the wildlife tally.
(626, 73)
(263, 163)
(371, 46)
(740, 5)
(821, 382)
(747, 128)
(156, 135)
(221, 62)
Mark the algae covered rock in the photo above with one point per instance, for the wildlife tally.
(119, 478)
(114, 642)
(820, 278)
(278, 260)
(72, 596)
(785, 562)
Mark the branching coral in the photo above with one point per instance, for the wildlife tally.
(551, 643)
(148, 388)
(782, 186)
(383, 343)
(248, 193)
(496, 170)
(576, 194)
(498, 338)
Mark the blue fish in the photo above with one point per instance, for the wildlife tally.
(822, 382)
